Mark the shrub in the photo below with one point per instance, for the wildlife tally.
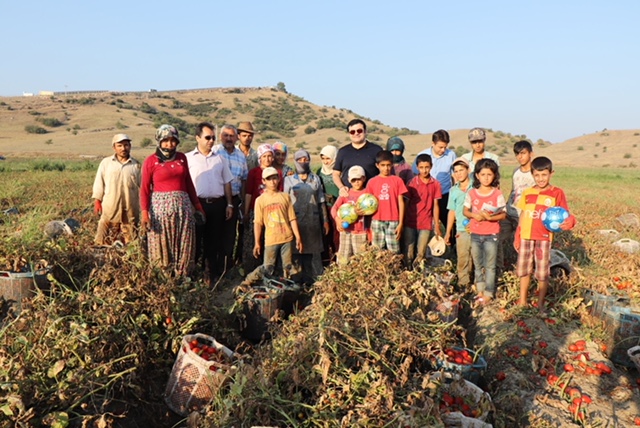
(35, 113)
(35, 129)
(51, 122)
(146, 142)
(146, 108)
(580, 148)
(627, 156)
(46, 165)
(330, 123)
(309, 130)
(330, 140)
(121, 125)
(49, 141)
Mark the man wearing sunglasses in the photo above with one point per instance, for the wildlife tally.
(360, 152)
(212, 178)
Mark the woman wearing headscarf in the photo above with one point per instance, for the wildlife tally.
(169, 204)
(280, 160)
(253, 189)
(305, 189)
(400, 168)
(331, 192)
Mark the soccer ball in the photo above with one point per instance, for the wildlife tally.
(347, 214)
(553, 217)
(367, 203)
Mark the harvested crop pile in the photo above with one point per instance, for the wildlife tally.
(83, 352)
(359, 355)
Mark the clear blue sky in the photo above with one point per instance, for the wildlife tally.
(547, 69)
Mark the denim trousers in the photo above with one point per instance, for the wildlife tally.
(484, 251)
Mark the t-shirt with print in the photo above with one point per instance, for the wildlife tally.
(275, 212)
(533, 203)
(492, 202)
(359, 226)
(421, 196)
(520, 181)
(387, 190)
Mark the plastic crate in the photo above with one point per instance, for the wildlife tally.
(15, 286)
(258, 309)
(471, 372)
(600, 302)
(290, 293)
(194, 381)
(622, 327)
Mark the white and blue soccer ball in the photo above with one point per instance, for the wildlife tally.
(553, 217)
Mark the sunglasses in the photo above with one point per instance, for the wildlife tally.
(356, 131)
(209, 137)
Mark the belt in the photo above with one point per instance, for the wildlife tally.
(210, 200)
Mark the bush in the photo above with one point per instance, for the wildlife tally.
(51, 122)
(309, 130)
(49, 141)
(146, 142)
(46, 165)
(627, 156)
(121, 125)
(330, 123)
(35, 129)
(580, 148)
(146, 108)
(330, 140)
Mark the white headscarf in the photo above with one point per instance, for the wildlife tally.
(330, 152)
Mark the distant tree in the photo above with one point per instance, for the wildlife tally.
(35, 129)
(280, 87)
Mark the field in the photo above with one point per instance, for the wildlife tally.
(95, 347)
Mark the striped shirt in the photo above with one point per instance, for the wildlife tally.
(238, 166)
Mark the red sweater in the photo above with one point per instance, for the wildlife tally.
(168, 176)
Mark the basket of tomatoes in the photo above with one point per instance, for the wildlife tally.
(466, 362)
(201, 368)
(461, 403)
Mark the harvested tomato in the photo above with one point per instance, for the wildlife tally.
(542, 344)
(636, 421)
(543, 372)
(573, 347)
(586, 399)
(568, 367)
(501, 376)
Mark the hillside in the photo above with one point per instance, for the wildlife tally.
(81, 125)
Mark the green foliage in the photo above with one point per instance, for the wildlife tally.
(309, 130)
(46, 165)
(146, 142)
(580, 148)
(35, 129)
(627, 156)
(281, 117)
(460, 151)
(330, 139)
(330, 123)
(49, 141)
(51, 122)
(183, 126)
(120, 125)
(81, 101)
(34, 113)
(146, 108)
(395, 132)
(280, 87)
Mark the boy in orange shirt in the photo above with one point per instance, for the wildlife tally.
(274, 211)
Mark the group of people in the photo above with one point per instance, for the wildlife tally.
(228, 203)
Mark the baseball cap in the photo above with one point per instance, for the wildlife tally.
(269, 171)
(356, 171)
(462, 161)
(477, 134)
(120, 137)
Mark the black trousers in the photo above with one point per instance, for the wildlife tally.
(209, 246)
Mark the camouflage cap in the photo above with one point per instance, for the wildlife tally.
(166, 131)
(477, 134)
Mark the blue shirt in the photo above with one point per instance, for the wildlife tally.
(441, 169)
(237, 165)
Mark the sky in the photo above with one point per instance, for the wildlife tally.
(546, 69)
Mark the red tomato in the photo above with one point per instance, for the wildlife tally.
(586, 399)
(573, 348)
(542, 344)
(636, 421)
(542, 372)
(568, 367)
(501, 376)
(458, 360)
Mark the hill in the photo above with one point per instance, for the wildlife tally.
(82, 124)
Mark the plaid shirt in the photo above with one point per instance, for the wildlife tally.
(237, 165)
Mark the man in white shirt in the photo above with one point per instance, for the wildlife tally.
(116, 191)
(212, 179)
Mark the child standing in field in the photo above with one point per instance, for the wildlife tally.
(388, 221)
(422, 212)
(455, 217)
(484, 206)
(532, 239)
(353, 239)
(522, 179)
(274, 211)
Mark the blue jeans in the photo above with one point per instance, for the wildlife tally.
(268, 266)
(484, 251)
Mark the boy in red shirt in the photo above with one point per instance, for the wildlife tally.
(422, 213)
(353, 239)
(533, 240)
(388, 221)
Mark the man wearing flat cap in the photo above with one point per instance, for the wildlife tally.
(245, 136)
(116, 191)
